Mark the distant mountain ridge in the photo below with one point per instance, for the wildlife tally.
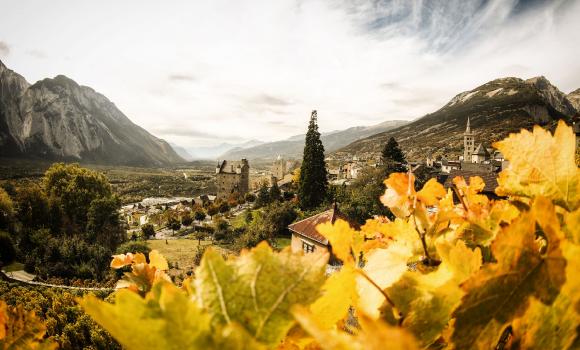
(293, 146)
(60, 120)
(495, 109)
(214, 152)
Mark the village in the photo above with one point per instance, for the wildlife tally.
(239, 186)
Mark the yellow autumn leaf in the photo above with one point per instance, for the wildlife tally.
(502, 290)
(340, 235)
(373, 335)
(572, 227)
(399, 193)
(121, 260)
(541, 165)
(158, 261)
(427, 300)
(384, 267)
(551, 327)
(431, 192)
(338, 295)
(470, 191)
(139, 258)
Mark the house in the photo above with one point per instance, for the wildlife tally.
(448, 165)
(306, 238)
(480, 155)
(232, 177)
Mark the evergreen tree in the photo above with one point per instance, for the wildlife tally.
(313, 183)
(393, 157)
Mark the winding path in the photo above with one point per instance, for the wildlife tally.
(23, 277)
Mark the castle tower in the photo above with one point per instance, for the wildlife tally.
(279, 168)
(468, 143)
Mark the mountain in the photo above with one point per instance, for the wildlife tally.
(293, 146)
(495, 109)
(182, 152)
(213, 152)
(574, 98)
(57, 119)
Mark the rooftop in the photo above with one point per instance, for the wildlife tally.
(307, 227)
(488, 177)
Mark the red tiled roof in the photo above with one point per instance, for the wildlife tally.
(307, 227)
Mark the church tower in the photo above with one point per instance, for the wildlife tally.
(468, 143)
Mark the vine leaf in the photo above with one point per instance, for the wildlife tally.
(341, 237)
(399, 194)
(427, 300)
(547, 327)
(258, 288)
(384, 267)
(501, 291)
(338, 295)
(165, 319)
(541, 165)
(431, 192)
(374, 334)
(143, 275)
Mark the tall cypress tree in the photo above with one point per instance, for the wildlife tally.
(313, 183)
(393, 157)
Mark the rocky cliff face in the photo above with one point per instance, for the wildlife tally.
(574, 98)
(495, 109)
(58, 119)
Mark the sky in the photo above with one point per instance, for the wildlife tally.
(199, 73)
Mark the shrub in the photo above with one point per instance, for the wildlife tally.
(133, 247)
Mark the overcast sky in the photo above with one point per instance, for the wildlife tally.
(205, 72)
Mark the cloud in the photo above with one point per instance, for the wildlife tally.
(4, 49)
(182, 77)
(180, 130)
(36, 54)
(265, 99)
(262, 66)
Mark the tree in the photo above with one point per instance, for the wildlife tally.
(250, 197)
(224, 207)
(148, 231)
(6, 210)
(104, 226)
(263, 196)
(199, 236)
(32, 207)
(361, 200)
(186, 219)
(248, 216)
(212, 210)
(393, 158)
(173, 224)
(275, 193)
(77, 188)
(133, 247)
(313, 182)
(199, 215)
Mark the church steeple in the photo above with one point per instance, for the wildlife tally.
(468, 143)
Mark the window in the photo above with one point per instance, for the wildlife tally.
(307, 247)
